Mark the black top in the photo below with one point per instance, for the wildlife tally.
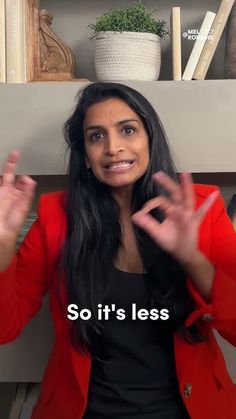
(138, 378)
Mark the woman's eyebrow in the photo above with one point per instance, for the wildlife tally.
(117, 123)
(127, 120)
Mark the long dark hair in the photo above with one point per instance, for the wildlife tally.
(94, 233)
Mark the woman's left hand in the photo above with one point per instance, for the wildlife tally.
(178, 233)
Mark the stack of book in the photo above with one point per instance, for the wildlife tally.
(205, 45)
(26, 397)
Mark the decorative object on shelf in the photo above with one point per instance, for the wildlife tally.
(55, 55)
(230, 46)
(211, 43)
(54, 60)
(232, 210)
(127, 44)
(175, 23)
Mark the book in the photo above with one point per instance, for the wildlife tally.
(2, 43)
(17, 404)
(26, 397)
(210, 46)
(204, 32)
(15, 41)
(231, 210)
(30, 401)
(230, 46)
(175, 23)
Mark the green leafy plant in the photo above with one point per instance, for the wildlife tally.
(130, 19)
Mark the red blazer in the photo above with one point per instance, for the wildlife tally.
(204, 383)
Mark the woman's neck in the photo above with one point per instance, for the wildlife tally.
(123, 198)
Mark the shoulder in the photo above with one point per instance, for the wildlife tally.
(217, 214)
(52, 197)
(202, 190)
(52, 202)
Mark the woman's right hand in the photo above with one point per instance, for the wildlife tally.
(16, 196)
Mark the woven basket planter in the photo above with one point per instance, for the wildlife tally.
(127, 56)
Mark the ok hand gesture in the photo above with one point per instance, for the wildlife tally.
(178, 233)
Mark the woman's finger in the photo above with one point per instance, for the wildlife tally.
(9, 167)
(202, 210)
(175, 213)
(23, 181)
(25, 200)
(148, 223)
(161, 202)
(188, 191)
(170, 185)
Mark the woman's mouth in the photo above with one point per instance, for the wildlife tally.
(119, 166)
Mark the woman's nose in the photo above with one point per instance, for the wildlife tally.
(113, 145)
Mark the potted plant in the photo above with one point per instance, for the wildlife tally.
(127, 44)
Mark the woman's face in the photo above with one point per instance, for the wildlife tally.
(116, 143)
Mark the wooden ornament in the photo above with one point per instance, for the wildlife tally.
(55, 60)
(48, 57)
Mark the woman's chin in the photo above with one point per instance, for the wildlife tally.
(119, 180)
(119, 183)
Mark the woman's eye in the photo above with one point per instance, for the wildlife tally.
(96, 136)
(128, 130)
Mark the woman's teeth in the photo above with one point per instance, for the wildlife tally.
(119, 165)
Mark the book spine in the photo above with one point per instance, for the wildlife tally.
(23, 12)
(176, 43)
(198, 45)
(32, 34)
(2, 43)
(230, 46)
(15, 43)
(211, 44)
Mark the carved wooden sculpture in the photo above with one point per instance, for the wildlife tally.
(49, 58)
(57, 61)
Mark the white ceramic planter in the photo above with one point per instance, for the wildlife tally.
(127, 56)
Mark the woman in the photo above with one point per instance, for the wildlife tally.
(126, 234)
